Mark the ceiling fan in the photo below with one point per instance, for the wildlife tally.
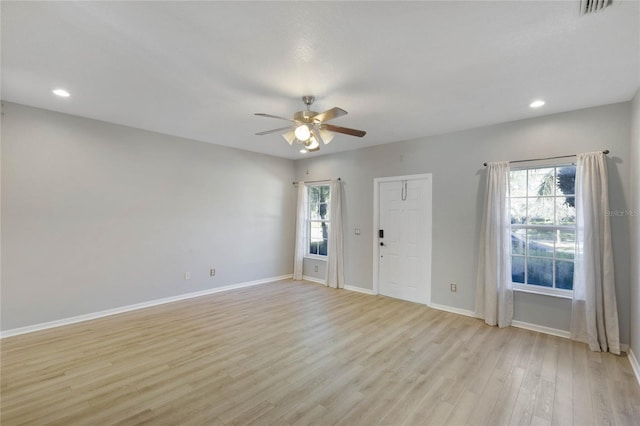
(309, 128)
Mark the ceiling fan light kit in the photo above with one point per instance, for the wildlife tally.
(312, 145)
(289, 136)
(326, 136)
(302, 132)
(309, 128)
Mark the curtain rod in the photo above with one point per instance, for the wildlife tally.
(606, 151)
(313, 181)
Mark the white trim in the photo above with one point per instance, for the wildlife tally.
(346, 287)
(308, 221)
(406, 177)
(317, 183)
(314, 280)
(359, 289)
(542, 329)
(544, 291)
(376, 225)
(122, 309)
(316, 257)
(546, 162)
(634, 364)
(453, 310)
(518, 324)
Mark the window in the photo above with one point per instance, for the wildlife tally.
(318, 219)
(543, 228)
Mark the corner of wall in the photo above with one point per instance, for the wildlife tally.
(635, 229)
(634, 364)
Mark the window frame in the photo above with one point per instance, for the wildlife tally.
(309, 221)
(533, 288)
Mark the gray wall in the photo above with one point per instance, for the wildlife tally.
(455, 160)
(97, 216)
(635, 226)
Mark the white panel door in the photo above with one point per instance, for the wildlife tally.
(404, 248)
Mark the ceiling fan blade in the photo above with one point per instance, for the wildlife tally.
(261, 114)
(329, 114)
(345, 130)
(266, 132)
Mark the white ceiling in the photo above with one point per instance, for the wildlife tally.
(403, 70)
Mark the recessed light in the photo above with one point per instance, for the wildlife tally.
(537, 103)
(303, 151)
(61, 92)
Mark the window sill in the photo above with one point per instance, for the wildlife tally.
(315, 257)
(563, 294)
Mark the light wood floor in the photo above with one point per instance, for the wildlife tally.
(300, 353)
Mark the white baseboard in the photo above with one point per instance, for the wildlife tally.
(542, 329)
(314, 280)
(518, 324)
(122, 309)
(346, 287)
(634, 364)
(453, 310)
(359, 289)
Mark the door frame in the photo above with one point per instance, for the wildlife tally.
(376, 226)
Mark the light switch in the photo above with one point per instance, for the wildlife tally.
(357, 231)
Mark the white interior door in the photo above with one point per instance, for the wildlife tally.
(404, 238)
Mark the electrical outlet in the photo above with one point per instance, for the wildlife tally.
(212, 272)
(315, 268)
(357, 231)
(187, 275)
(454, 287)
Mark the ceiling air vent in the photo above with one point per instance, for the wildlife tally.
(590, 6)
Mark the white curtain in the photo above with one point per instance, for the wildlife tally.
(301, 232)
(494, 294)
(335, 261)
(594, 316)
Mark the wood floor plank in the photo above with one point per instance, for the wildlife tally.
(545, 395)
(563, 396)
(462, 409)
(292, 352)
(582, 403)
(600, 393)
(627, 410)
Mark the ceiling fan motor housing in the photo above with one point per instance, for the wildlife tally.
(305, 116)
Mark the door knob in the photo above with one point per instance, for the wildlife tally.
(381, 243)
